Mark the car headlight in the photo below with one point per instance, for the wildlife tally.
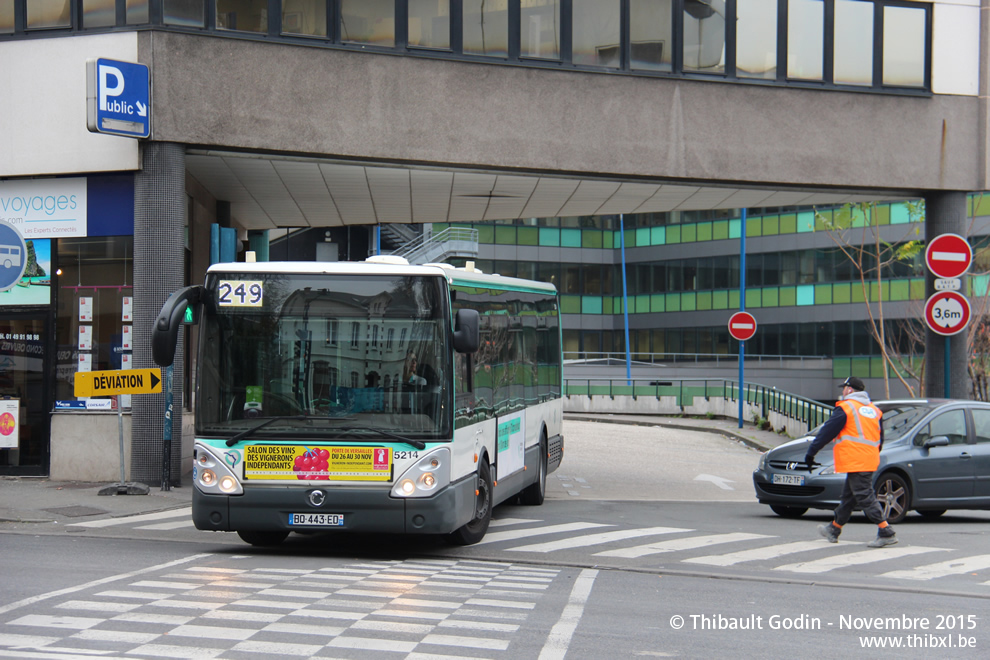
(828, 469)
(426, 476)
(211, 474)
(763, 461)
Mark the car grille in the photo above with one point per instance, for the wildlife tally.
(786, 465)
(794, 491)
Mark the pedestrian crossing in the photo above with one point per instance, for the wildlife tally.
(682, 545)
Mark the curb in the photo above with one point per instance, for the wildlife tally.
(749, 442)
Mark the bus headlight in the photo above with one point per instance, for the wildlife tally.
(426, 476)
(212, 475)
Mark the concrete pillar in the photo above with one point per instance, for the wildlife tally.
(945, 213)
(159, 269)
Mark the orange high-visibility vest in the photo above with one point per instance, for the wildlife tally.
(858, 444)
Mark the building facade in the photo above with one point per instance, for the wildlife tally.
(267, 116)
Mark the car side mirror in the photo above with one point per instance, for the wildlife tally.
(937, 441)
(467, 331)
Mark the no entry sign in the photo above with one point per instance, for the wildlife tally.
(948, 255)
(947, 313)
(742, 326)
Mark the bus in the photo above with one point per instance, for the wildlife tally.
(370, 396)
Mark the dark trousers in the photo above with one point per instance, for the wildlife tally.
(858, 492)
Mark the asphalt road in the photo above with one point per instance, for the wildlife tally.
(650, 544)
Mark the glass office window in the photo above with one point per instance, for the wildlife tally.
(99, 13)
(6, 16)
(595, 33)
(429, 23)
(650, 32)
(243, 15)
(304, 17)
(539, 29)
(185, 13)
(704, 36)
(903, 46)
(805, 39)
(137, 12)
(485, 28)
(368, 22)
(852, 60)
(48, 14)
(756, 39)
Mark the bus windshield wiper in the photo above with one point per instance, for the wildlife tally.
(418, 444)
(243, 434)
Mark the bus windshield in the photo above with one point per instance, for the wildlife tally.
(327, 354)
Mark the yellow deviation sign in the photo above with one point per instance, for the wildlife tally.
(125, 381)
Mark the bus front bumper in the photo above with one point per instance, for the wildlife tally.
(364, 509)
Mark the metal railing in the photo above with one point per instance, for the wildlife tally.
(575, 357)
(765, 399)
(451, 242)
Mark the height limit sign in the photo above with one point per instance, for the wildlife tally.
(947, 313)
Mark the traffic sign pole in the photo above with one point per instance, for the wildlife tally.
(742, 308)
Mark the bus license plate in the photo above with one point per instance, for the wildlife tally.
(316, 519)
(789, 479)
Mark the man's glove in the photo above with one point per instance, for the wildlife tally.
(809, 460)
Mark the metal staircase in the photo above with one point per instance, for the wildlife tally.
(438, 247)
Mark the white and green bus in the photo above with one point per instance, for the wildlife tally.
(368, 397)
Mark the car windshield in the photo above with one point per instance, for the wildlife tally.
(901, 416)
(347, 352)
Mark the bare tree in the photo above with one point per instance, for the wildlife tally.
(857, 234)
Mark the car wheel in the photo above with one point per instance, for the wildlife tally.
(788, 511)
(894, 496)
(931, 513)
(475, 530)
(262, 539)
(534, 493)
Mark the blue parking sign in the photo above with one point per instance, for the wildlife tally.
(13, 256)
(118, 98)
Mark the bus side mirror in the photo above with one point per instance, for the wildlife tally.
(467, 335)
(165, 332)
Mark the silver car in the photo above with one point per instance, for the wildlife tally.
(935, 457)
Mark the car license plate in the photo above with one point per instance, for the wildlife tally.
(789, 479)
(316, 519)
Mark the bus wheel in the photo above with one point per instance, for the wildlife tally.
(475, 530)
(535, 492)
(262, 539)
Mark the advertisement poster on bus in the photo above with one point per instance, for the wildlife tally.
(511, 443)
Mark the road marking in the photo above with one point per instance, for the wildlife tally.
(856, 558)
(169, 525)
(768, 552)
(560, 635)
(595, 539)
(951, 567)
(127, 520)
(502, 522)
(689, 543)
(536, 531)
(95, 583)
(721, 482)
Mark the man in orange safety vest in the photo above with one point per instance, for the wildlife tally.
(856, 423)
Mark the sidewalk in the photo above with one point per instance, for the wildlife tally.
(30, 501)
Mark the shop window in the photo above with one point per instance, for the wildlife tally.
(94, 330)
(304, 17)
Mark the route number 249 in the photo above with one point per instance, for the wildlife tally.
(239, 293)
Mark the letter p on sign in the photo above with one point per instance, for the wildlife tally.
(106, 72)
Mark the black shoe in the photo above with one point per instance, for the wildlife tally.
(830, 532)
